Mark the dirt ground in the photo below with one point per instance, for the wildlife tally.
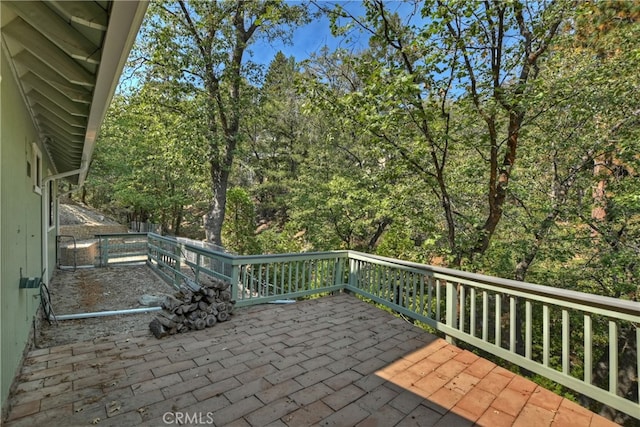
(78, 214)
(94, 290)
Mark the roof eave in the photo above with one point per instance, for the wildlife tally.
(124, 22)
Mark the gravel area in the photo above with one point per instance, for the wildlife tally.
(94, 290)
(78, 214)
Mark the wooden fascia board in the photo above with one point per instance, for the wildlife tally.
(124, 22)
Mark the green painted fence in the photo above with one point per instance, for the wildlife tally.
(512, 320)
(122, 248)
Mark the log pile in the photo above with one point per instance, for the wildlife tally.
(195, 306)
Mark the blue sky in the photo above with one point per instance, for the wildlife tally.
(307, 39)
(313, 36)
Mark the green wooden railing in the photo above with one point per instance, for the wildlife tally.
(122, 248)
(512, 320)
(255, 279)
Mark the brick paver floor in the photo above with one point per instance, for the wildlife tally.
(331, 361)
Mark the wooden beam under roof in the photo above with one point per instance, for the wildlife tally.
(62, 164)
(49, 109)
(72, 149)
(87, 13)
(48, 53)
(53, 147)
(57, 30)
(36, 97)
(72, 91)
(57, 153)
(58, 124)
(40, 88)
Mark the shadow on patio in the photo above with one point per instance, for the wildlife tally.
(331, 361)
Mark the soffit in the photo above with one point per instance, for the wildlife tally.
(67, 57)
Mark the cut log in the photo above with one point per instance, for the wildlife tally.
(166, 322)
(157, 329)
(210, 320)
(194, 307)
(200, 324)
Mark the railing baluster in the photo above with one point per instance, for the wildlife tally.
(528, 338)
(430, 297)
(374, 285)
(438, 300)
(374, 279)
(365, 279)
(326, 273)
(472, 312)
(512, 324)
(638, 359)
(588, 349)
(414, 286)
(613, 357)
(462, 304)
(404, 290)
(451, 307)
(275, 279)
(421, 280)
(498, 319)
(485, 316)
(545, 335)
(259, 290)
(565, 342)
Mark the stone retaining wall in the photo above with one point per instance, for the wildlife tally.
(87, 250)
(87, 253)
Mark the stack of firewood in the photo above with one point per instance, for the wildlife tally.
(194, 306)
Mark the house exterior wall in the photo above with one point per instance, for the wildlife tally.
(21, 227)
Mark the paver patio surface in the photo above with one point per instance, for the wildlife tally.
(330, 361)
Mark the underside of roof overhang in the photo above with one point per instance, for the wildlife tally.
(67, 57)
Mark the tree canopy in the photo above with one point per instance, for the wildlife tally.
(498, 137)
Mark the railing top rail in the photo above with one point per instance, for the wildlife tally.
(626, 306)
(607, 303)
(119, 234)
(244, 259)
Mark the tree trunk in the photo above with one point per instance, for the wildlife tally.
(178, 220)
(214, 218)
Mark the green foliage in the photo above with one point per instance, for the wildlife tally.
(238, 233)
(147, 161)
(443, 141)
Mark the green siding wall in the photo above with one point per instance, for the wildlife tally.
(20, 228)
